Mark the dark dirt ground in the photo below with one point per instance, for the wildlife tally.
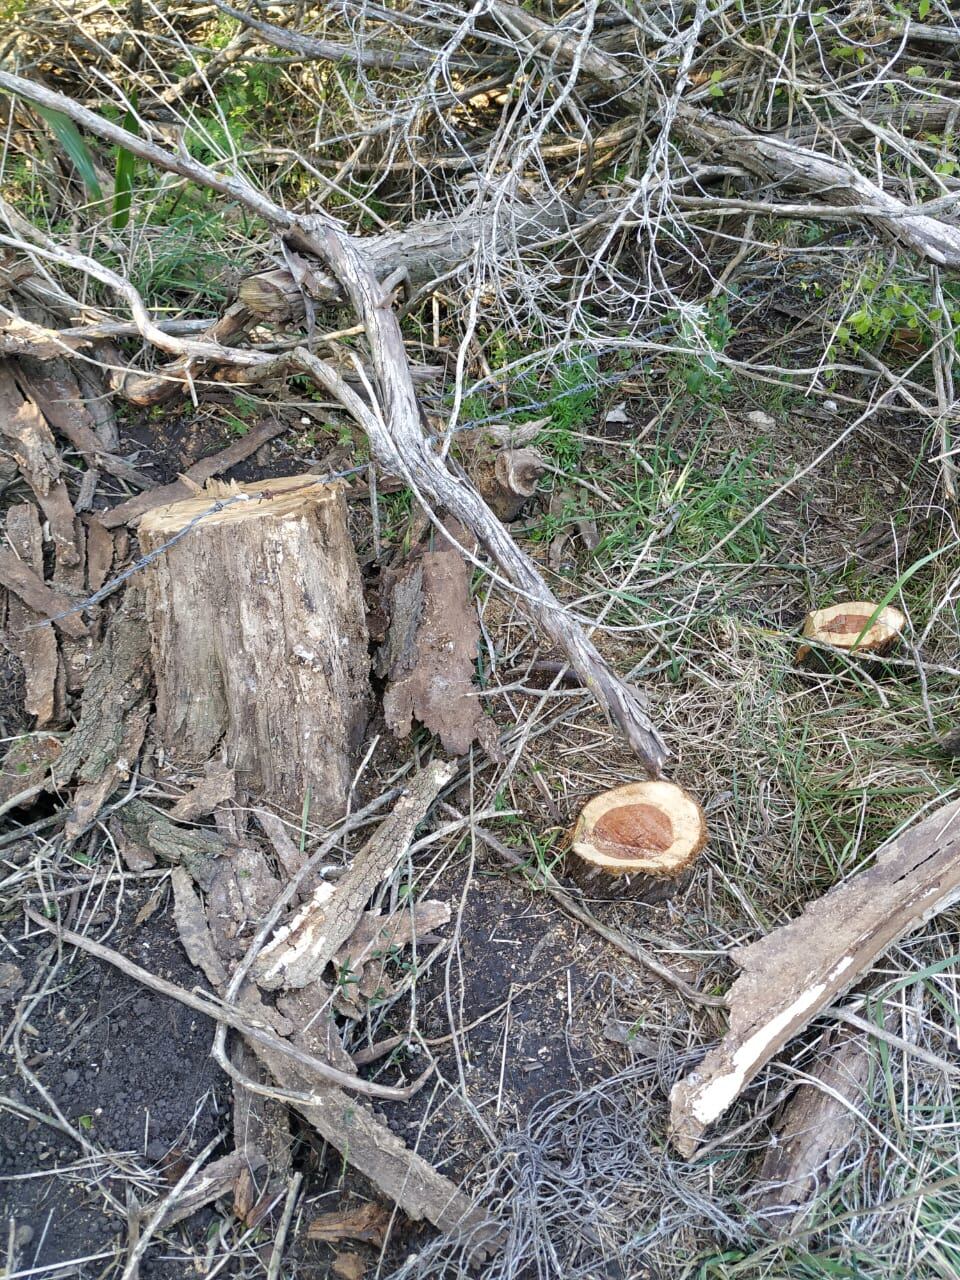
(128, 1068)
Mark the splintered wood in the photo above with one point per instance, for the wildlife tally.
(259, 638)
(800, 968)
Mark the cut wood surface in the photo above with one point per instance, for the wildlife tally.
(259, 638)
(856, 625)
(797, 970)
(646, 828)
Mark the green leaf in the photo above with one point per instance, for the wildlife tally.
(68, 135)
(923, 8)
(123, 176)
(915, 71)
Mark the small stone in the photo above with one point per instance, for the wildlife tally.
(762, 420)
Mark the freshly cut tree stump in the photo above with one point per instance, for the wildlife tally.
(646, 828)
(845, 627)
(259, 639)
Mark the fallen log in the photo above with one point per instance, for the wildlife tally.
(816, 1130)
(793, 973)
(258, 637)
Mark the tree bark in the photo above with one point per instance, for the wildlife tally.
(259, 637)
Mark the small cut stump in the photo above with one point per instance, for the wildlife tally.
(259, 639)
(844, 626)
(653, 829)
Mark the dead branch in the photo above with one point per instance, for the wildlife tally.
(302, 948)
(401, 447)
(775, 160)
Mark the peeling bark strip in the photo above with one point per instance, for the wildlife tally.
(431, 653)
(794, 972)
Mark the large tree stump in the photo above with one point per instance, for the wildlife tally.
(259, 639)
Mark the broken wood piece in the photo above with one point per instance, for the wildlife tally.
(258, 637)
(191, 922)
(214, 1180)
(793, 973)
(816, 1129)
(644, 828)
(260, 1124)
(114, 709)
(508, 479)
(367, 1223)
(27, 764)
(361, 962)
(302, 948)
(99, 553)
(19, 337)
(151, 389)
(856, 625)
(430, 655)
(291, 858)
(50, 605)
(241, 891)
(69, 408)
(28, 438)
(375, 1151)
(144, 834)
(218, 786)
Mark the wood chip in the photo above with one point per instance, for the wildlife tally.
(367, 1223)
(193, 929)
(219, 785)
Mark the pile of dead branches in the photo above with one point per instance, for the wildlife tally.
(471, 199)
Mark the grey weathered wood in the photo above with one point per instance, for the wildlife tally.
(791, 974)
(402, 447)
(305, 945)
(259, 638)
